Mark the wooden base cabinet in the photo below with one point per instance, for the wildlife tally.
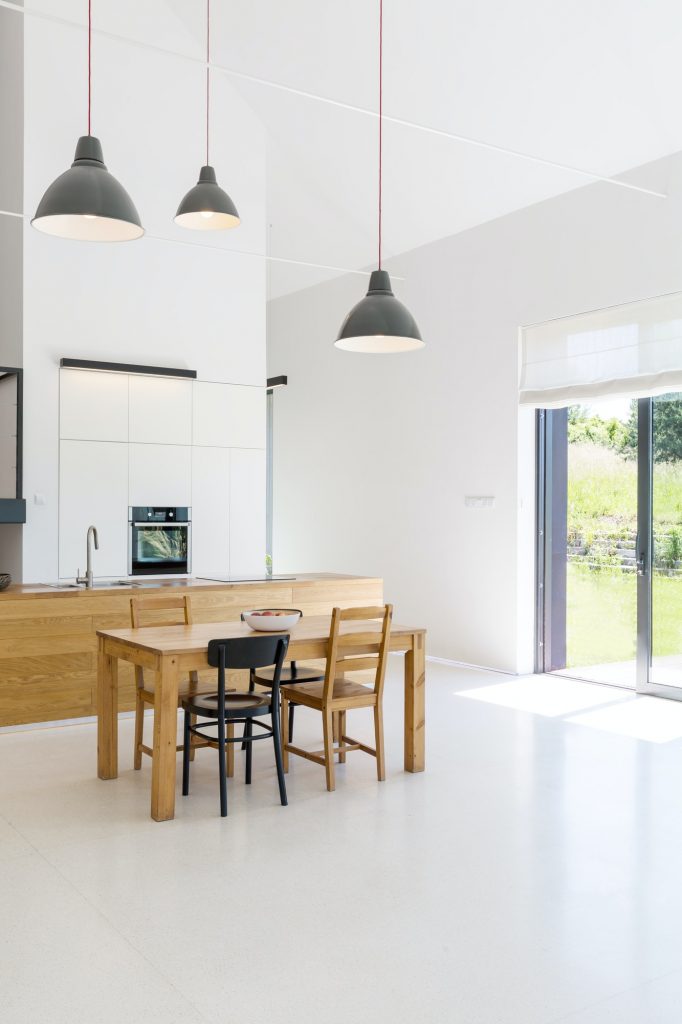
(48, 643)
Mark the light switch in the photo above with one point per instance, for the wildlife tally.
(39, 499)
(479, 500)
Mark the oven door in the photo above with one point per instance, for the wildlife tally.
(157, 548)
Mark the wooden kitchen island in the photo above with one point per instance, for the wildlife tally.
(48, 635)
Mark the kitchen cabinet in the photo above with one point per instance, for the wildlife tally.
(210, 511)
(247, 511)
(93, 485)
(229, 415)
(160, 410)
(93, 406)
(160, 474)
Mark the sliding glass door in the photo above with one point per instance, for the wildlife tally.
(610, 543)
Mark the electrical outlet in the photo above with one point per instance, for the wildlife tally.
(479, 500)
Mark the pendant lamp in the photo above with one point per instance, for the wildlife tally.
(379, 323)
(207, 207)
(87, 202)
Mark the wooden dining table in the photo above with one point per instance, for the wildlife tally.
(171, 652)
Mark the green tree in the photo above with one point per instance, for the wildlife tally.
(629, 446)
(586, 429)
(667, 429)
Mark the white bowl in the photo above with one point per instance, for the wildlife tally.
(280, 621)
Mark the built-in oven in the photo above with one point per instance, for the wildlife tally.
(159, 540)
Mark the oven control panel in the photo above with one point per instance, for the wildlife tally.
(157, 514)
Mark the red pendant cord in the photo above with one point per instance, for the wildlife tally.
(208, 54)
(381, 106)
(89, 63)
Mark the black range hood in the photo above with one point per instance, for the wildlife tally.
(12, 510)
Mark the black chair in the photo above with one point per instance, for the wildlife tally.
(290, 677)
(236, 707)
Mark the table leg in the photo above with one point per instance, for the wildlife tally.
(415, 669)
(165, 740)
(107, 713)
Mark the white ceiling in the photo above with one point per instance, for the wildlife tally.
(595, 86)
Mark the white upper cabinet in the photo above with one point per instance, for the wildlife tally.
(160, 410)
(229, 415)
(160, 474)
(93, 405)
(131, 439)
(210, 511)
(93, 484)
(247, 512)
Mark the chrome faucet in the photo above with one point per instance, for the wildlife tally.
(88, 578)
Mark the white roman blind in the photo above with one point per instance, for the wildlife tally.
(634, 349)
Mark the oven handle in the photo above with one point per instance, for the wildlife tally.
(185, 522)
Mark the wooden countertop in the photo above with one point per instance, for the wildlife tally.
(41, 590)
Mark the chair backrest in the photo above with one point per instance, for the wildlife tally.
(141, 607)
(248, 652)
(353, 651)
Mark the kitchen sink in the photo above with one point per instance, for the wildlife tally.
(97, 584)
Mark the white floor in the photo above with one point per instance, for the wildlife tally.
(530, 876)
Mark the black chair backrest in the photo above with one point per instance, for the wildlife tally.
(248, 651)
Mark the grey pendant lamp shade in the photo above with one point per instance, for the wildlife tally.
(87, 202)
(379, 323)
(207, 207)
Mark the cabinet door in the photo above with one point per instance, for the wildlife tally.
(210, 511)
(160, 474)
(93, 481)
(93, 405)
(229, 415)
(160, 410)
(247, 512)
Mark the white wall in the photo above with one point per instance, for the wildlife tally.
(374, 455)
(170, 299)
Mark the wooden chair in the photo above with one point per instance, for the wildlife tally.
(347, 652)
(156, 606)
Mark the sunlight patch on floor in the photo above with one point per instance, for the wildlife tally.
(653, 719)
(545, 695)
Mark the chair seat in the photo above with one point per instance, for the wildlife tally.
(184, 693)
(303, 674)
(237, 704)
(345, 691)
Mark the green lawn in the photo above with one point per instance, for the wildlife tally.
(601, 615)
(602, 488)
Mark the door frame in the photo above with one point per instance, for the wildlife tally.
(551, 428)
(644, 553)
